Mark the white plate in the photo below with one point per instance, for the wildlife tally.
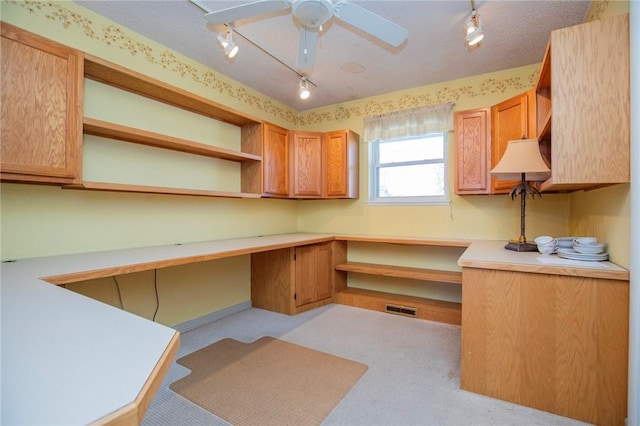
(574, 255)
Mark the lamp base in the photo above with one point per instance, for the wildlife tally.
(517, 246)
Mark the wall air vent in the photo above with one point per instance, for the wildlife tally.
(401, 310)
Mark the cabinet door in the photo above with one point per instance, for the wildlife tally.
(41, 90)
(307, 165)
(272, 278)
(473, 151)
(590, 131)
(305, 275)
(313, 273)
(324, 271)
(275, 160)
(512, 119)
(341, 158)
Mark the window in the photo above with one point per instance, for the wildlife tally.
(409, 170)
(408, 155)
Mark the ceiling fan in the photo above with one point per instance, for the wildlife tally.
(312, 14)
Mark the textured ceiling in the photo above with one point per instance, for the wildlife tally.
(351, 64)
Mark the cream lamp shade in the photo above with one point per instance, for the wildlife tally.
(521, 156)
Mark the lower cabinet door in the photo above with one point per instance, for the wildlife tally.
(313, 273)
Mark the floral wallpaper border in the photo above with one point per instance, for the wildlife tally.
(119, 38)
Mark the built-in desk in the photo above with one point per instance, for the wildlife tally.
(543, 334)
(552, 337)
(68, 359)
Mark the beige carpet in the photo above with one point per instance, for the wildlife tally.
(267, 382)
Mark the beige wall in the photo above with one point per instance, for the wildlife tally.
(42, 220)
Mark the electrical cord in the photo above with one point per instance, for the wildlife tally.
(115, 280)
(155, 286)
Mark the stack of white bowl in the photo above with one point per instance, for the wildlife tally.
(587, 245)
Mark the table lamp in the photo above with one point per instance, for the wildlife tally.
(522, 160)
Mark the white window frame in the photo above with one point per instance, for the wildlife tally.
(431, 200)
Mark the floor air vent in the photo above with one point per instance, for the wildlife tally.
(401, 310)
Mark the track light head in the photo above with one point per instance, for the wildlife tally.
(227, 43)
(473, 29)
(303, 89)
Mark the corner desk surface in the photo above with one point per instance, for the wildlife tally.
(69, 359)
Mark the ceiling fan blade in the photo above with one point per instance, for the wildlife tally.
(307, 49)
(372, 23)
(232, 14)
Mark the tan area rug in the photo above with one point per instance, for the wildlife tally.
(267, 382)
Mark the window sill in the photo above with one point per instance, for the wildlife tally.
(408, 203)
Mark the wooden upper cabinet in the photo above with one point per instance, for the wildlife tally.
(41, 107)
(342, 170)
(583, 100)
(473, 151)
(512, 119)
(275, 160)
(325, 165)
(307, 149)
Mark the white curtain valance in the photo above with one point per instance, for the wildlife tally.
(409, 122)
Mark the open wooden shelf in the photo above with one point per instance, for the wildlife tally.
(422, 274)
(92, 126)
(114, 75)
(118, 187)
(428, 309)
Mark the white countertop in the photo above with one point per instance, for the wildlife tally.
(68, 359)
(489, 254)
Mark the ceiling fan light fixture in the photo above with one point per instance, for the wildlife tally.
(473, 29)
(303, 89)
(312, 13)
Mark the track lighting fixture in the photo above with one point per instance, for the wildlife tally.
(303, 88)
(473, 27)
(231, 49)
(227, 43)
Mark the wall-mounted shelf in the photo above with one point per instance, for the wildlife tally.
(114, 75)
(122, 78)
(422, 274)
(105, 129)
(410, 241)
(119, 187)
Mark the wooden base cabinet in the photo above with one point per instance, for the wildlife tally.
(41, 106)
(294, 279)
(551, 342)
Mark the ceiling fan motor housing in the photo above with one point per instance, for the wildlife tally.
(312, 13)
